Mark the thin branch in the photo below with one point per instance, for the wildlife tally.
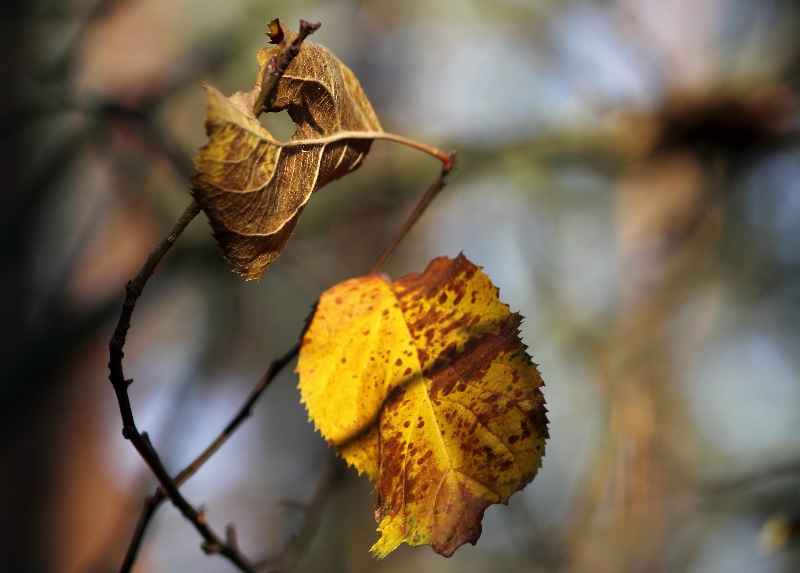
(436, 186)
(133, 291)
(151, 504)
(244, 412)
(213, 543)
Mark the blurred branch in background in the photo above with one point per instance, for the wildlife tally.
(628, 175)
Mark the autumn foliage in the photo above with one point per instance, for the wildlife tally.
(254, 187)
(640, 212)
(424, 385)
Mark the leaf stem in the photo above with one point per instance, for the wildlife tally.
(448, 160)
(433, 190)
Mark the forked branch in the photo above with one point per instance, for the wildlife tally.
(153, 502)
(213, 543)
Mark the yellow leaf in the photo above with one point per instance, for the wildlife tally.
(253, 187)
(425, 385)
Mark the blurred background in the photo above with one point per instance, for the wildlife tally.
(629, 176)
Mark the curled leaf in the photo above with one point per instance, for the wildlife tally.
(253, 187)
(425, 385)
(276, 33)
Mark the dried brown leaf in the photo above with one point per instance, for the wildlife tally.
(253, 187)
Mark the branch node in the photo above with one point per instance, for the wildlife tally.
(161, 493)
(133, 289)
(210, 548)
(128, 382)
(129, 432)
(450, 163)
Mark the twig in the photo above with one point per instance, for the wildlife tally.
(213, 543)
(154, 501)
(133, 291)
(436, 186)
(279, 66)
(151, 504)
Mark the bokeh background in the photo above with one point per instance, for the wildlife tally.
(629, 176)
